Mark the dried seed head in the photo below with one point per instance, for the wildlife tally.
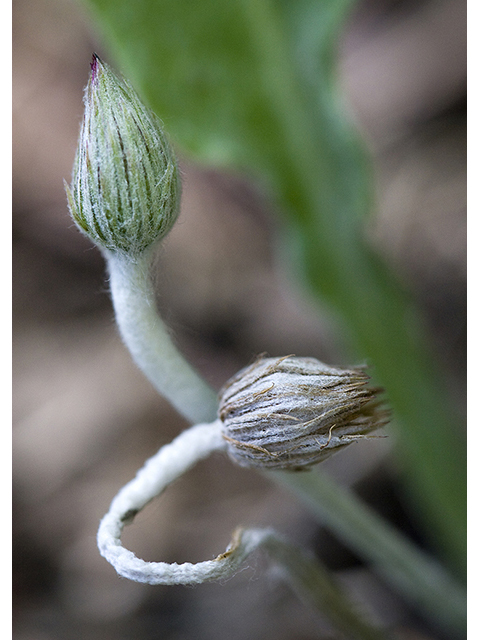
(290, 413)
(125, 189)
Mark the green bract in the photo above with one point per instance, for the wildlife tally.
(125, 190)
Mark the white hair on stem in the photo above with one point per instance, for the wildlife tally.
(168, 464)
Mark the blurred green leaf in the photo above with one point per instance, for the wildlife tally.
(250, 84)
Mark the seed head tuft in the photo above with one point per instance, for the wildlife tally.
(290, 413)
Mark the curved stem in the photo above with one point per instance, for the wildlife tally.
(149, 340)
(305, 573)
(170, 462)
(405, 567)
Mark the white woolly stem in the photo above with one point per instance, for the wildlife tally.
(149, 341)
(152, 349)
(305, 573)
(171, 461)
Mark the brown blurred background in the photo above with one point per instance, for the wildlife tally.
(85, 419)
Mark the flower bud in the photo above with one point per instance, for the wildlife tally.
(290, 413)
(125, 190)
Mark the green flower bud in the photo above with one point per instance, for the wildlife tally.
(290, 413)
(125, 190)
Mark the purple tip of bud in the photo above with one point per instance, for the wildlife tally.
(94, 65)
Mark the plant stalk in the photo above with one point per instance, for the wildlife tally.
(149, 341)
(419, 578)
(313, 584)
(304, 573)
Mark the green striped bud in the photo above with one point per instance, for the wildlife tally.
(125, 189)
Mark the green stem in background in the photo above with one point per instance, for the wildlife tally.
(418, 578)
(313, 584)
(149, 341)
(422, 581)
(322, 186)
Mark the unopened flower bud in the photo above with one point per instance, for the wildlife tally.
(125, 189)
(290, 413)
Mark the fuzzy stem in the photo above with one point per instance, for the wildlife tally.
(149, 341)
(303, 572)
(168, 464)
(416, 576)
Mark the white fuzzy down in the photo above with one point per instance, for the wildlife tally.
(169, 463)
